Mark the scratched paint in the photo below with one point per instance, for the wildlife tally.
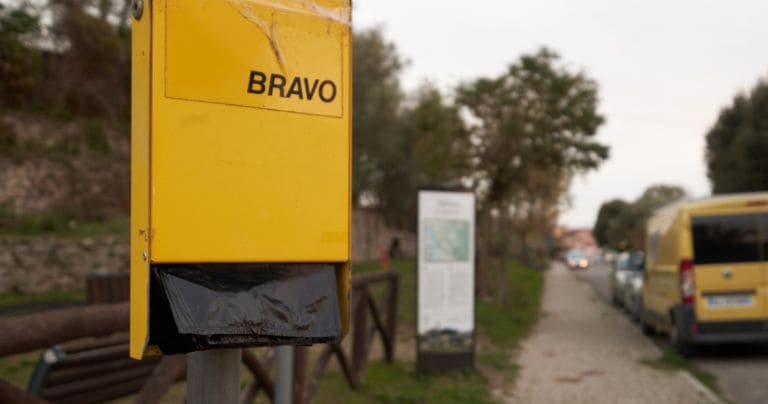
(339, 15)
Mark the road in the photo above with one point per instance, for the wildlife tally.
(741, 370)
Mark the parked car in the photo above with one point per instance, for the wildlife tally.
(576, 259)
(634, 284)
(706, 272)
(628, 266)
(609, 256)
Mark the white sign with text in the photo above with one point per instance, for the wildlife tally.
(446, 272)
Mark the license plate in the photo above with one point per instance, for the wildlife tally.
(729, 301)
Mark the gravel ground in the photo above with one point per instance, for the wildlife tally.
(582, 351)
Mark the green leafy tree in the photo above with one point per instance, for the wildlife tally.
(376, 99)
(20, 64)
(439, 139)
(608, 212)
(397, 149)
(536, 127)
(91, 77)
(431, 150)
(737, 145)
(537, 117)
(627, 228)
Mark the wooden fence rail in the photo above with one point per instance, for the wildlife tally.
(38, 331)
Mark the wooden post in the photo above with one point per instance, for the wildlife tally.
(299, 374)
(213, 376)
(260, 373)
(171, 369)
(359, 333)
(391, 322)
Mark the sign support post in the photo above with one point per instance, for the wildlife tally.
(283, 374)
(213, 376)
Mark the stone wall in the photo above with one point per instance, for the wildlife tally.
(370, 235)
(76, 168)
(44, 263)
(38, 264)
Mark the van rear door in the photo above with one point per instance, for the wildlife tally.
(729, 270)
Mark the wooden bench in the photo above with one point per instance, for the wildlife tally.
(96, 369)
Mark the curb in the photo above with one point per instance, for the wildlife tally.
(704, 390)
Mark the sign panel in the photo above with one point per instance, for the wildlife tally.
(240, 181)
(446, 274)
(285, 56)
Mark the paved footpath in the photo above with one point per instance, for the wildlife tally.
(583, 351)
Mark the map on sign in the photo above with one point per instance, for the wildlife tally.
(446, 240)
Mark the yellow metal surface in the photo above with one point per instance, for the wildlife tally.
(234, 183)
(747, 278)
(241, 138)
(140, 59)
(292, 59)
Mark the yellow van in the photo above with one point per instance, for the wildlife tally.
(706, 271)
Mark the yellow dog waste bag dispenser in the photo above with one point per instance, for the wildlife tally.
(240, 173)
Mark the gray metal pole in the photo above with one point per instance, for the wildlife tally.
(284, 374)
(213, 376)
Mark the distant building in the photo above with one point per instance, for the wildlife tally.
(580, 239)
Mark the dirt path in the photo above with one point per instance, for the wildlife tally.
(582, 351)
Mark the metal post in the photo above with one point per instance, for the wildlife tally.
(284, 374)
(213, 376)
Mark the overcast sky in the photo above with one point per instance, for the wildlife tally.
(665, 69)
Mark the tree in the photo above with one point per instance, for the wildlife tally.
(537, 117)
(376, 99)
(397, 149)
(91, 76)
(20, 65)
(431, 149)
(536, 124)
(608, 212)
(439, 139)
(626, 228)
(738, 143)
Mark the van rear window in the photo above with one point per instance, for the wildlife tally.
(721, 239)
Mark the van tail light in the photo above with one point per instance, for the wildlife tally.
(687, 285)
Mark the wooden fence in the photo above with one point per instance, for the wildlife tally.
(372, 314)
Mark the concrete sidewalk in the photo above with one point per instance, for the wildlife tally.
(583, 351)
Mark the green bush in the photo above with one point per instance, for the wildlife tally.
(96, 139)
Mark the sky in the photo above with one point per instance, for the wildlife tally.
(665, 70)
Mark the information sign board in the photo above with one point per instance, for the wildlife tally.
(446, 274)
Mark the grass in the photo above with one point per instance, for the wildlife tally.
(671, 360)
(8, 300)
(497, 359)
(508, 323)
(17, 369)
(95, 138)
(400, 383)
(60, 225)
